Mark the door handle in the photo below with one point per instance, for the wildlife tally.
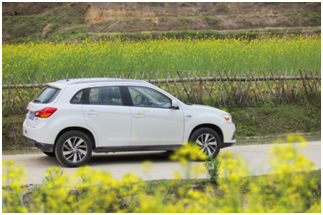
(92, 112)
(138, 116)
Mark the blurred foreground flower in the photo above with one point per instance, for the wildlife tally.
(90, 190)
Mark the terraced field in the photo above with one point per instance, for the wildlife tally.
(190, 54)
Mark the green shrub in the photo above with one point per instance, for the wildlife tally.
(212, 167)
(232, 16)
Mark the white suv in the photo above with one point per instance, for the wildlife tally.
(72, 118)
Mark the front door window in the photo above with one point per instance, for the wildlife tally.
(146, 97)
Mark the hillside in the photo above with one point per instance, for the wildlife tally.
(69, 21)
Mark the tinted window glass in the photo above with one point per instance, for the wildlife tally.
(78, 98)
(47, 95)
(146, 97)
(105, 96)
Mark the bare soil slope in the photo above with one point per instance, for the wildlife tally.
(50, 21)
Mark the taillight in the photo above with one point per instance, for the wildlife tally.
(27, 111)
(44, 113)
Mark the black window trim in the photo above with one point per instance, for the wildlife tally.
(126, 96)
(129, 97)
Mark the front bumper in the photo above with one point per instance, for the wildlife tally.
(42, 146)
(230, 142)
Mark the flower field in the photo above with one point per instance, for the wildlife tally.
(161, 55)
(90, 190)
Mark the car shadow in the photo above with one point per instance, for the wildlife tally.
(130, 157)
(119, 158)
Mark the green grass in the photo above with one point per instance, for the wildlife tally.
(265, 119)
(290, 14)
(260, 140)
(12, 138)
(317, 31)
(200, 184)
(305, 14)
(208, 17)
(21, 151)
(184, 20)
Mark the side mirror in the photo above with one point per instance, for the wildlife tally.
(174, 104)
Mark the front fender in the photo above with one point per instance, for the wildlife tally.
(192, 121)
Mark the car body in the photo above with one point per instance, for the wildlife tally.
(113, 115)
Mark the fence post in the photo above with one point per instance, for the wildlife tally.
(201, 90)
(282, 86)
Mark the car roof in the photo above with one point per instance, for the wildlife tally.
(97, 80)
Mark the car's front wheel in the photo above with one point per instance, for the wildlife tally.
(208, 140)
(73, 149)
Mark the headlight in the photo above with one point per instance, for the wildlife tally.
(227, 117)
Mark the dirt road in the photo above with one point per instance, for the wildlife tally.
(119, 164)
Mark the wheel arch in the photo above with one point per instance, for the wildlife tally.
(215, 128)
(81, 129)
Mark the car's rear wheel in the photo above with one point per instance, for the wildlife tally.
(49, 154)
(208, 140)
(73, 149)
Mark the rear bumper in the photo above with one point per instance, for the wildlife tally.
(42, 146)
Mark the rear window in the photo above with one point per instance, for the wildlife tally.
(78, 98)
(47, 95)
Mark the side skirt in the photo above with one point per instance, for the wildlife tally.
(224, 145)
(136, 148)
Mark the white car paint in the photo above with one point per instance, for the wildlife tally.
(156, 126)
(115, 126)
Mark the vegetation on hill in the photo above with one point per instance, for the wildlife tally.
(77, 21)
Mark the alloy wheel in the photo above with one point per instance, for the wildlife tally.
(74, 149)
(208, 143)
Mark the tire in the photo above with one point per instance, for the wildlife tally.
(73, 149)
(50, 154)
(199, 136)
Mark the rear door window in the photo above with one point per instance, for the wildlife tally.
(47, 95)
(105, 96)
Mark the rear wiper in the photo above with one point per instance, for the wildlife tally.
(36, 100)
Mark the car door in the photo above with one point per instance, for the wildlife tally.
(106, 114)
(154, 121)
